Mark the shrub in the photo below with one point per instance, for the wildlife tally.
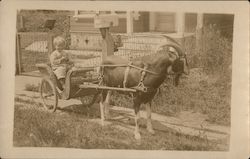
(208, 87)
(34, 21)
(216, 52)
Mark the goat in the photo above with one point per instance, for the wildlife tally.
(155, 67)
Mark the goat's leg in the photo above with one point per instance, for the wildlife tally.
(102, 106)
(149, 121)
(106, 103)
(137, 117)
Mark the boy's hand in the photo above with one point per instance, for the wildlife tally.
(63, 60)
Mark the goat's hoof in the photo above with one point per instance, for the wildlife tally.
(137, 136)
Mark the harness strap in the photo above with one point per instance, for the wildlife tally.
(141, 85)
(144, 71)
(125, 65)
(143, 74)
(101, 75)
(126, 74)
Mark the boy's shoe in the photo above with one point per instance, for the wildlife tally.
(60, 92)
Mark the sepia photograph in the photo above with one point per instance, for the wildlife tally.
(175, 65)
(123, 79)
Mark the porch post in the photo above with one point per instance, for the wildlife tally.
(198, 33)
(152, 20)
(199, 21)
(130, 27)
(18, 54)
(50, 43)
(180, 23)
(180, 27)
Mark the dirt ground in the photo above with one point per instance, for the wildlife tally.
(186, 123)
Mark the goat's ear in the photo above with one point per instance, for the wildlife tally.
(172, 57)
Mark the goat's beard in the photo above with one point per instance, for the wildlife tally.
(176, 79)
(178, 69)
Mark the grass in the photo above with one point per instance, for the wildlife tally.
(37, 128)
(198, 93)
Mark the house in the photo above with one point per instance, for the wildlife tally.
(134, 22)
(141, 31)
(177, 25)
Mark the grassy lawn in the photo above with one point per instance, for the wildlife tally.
(38, 128)
(198, 93)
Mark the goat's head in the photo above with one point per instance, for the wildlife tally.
(179, 67)
(179, 61)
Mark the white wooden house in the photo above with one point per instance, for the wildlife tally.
(178, 25)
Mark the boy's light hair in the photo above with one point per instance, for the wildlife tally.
(59, 41)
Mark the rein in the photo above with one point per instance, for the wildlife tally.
(133, 66)
(140, 86)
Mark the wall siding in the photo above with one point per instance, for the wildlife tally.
(121, 28)
(87, 25)
(142, 24)
(190, 22)
(165, 22)
(82, 25)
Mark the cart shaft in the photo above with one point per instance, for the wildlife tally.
(96, 86)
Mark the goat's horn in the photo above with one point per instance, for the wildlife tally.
(175, 46)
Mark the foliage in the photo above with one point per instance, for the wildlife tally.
(37, 128)
(216, 52)
(197, 93)
(208, 87)
(34, 21)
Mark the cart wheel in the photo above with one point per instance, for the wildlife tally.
(89, 100)
(48, 95)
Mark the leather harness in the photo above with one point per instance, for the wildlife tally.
(144, 71)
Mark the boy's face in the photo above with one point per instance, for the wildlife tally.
(60, 46)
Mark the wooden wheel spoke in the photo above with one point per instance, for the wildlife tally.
(48, 95)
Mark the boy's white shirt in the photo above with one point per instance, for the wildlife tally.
(56, 56)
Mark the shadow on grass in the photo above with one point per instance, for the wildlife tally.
(121, 117)
(70, 127)
(78, 109)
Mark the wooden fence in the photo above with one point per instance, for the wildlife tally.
(31, 48)
(85, 48)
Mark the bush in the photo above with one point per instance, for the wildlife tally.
(216, 61)
(216, 52)
(208, 87)
(34, 21)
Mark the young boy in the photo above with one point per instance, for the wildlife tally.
(59, 60)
